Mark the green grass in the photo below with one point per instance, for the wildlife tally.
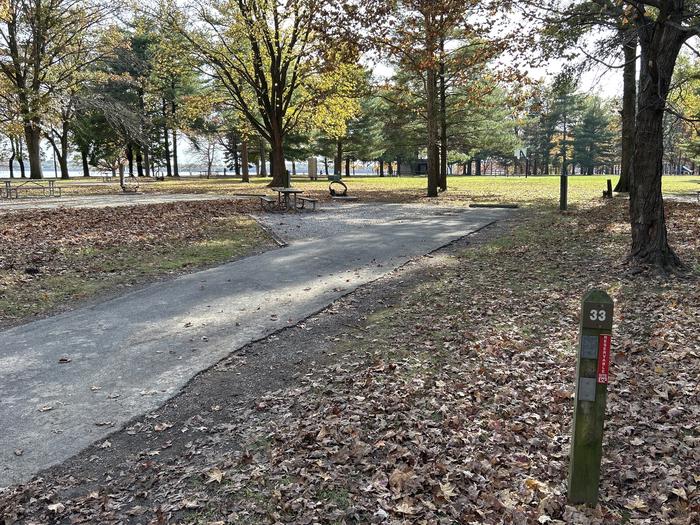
(520, 190)
(93, 271)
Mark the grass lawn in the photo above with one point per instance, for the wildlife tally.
(51, 259)
(530, 191)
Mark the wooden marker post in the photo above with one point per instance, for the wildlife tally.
(591, 396)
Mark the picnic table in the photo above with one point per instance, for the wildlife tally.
(284, 195)
(47, 188)
(287, 199)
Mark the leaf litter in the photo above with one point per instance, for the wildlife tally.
(457, 408)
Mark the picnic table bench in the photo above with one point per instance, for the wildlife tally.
(12, 189)
(287, 199)
(309, 200)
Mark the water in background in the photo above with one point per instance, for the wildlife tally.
(301, 170)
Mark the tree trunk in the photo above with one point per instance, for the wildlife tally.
(20, 158)
(11, 160)
(139, 162)
(173, 108)
(432, 142)
(478, 167)
(338, 161)
(130, 159)
(63, 153)
(325, 164)
(32, 135)
(146, 147)
(660, 41)
(176, 166)
(381, 168)
(347, 166)
(263, 168)
(166, 140)
(629, 109)
(244, 161)
(146, 162)
(279, 176)
(443, 121)
(234, 151)
(563, 179)
(84, 161)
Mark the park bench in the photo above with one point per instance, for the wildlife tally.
(304, 200)
(48, 188)
(267, 203)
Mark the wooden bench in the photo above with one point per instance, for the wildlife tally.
(311, 201)
(267, 203)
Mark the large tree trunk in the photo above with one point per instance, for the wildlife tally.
(432, 142)
(443, 121)
(63, 153)
(84, 161)
(629, 108)
(564, 176)
(338, 161)
(347, 166)
(139, 162)
(32, 135)
(660, 41)
(147, 162)
(263, 167)
(244, 160)
(279, 176)
(381, 168)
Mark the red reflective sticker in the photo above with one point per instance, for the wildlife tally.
(604, 343)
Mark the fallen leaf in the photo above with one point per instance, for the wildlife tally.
(637, 503)
(214, 475)
(57, 507)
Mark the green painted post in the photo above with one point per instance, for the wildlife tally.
(591, 396)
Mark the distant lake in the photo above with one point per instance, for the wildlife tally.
(301, 169)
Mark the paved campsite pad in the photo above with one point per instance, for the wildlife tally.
(127, 356)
